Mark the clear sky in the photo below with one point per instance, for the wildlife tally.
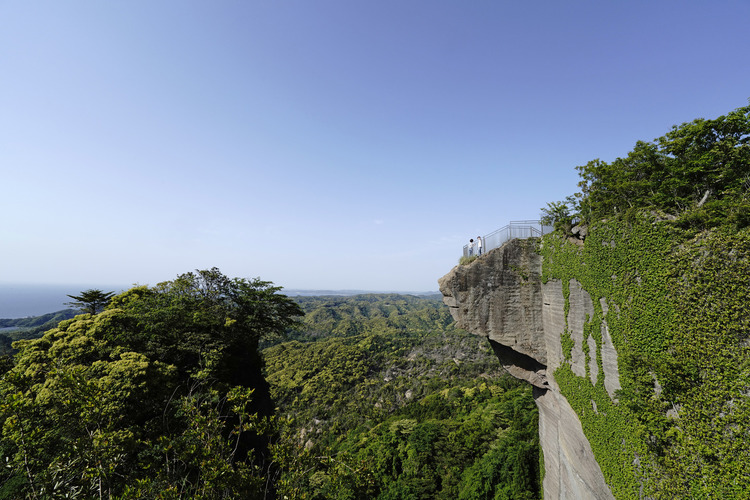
(326, 144)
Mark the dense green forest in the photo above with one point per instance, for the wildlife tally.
(210, 387)
(382, 398)
(668, 249)
(161, 395)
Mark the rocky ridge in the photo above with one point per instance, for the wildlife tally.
(501, 296)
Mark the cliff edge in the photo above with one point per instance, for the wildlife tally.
(501, 296)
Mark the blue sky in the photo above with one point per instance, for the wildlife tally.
(326, 144)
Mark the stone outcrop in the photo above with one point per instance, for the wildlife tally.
(501, 296)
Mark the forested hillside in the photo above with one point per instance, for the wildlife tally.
(163, 395)
(29, 328)
(382, 398)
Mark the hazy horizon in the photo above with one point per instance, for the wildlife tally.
(19, 300)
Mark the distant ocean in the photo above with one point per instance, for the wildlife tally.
(20, 301)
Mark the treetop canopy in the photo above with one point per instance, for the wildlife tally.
(702, 166)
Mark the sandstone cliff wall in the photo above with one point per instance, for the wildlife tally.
(501, 296)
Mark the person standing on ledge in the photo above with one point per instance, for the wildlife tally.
(479, 245)
(471, 247)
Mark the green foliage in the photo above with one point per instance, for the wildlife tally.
(162, 395)
(397, 404)
(678, 320)
(561, 214)
(672, 261)
(369, 313)
(30, 328)
(205, 320)
(6, 345)
(65, 406)
(91, 301)
(201, 460)
(567, 345)
(463, 261)
(159, 395)
(678, 173)
(45, 320)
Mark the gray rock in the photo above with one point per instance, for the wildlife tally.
(581, 310)
(609, 356)
(581, 231)
(501, 297)
(571, 471)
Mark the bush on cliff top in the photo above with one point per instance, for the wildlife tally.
(699, 171)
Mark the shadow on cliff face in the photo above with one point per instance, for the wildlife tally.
(520, 365)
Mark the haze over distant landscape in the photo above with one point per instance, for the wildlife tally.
(23, 300)
(329, 144)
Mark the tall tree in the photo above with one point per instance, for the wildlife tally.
(91, 301)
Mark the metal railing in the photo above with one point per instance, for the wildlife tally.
(520, 229)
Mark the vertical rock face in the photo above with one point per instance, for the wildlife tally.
(501, 296)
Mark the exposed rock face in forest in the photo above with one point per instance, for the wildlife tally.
(501, 296)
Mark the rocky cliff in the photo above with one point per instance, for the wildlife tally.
(501, 296)
(636, 328)
(638, 345)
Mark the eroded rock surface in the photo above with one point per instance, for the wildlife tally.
(500, 296)
(570, 469)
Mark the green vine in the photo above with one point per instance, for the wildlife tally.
(567, 345)
(677, 317)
